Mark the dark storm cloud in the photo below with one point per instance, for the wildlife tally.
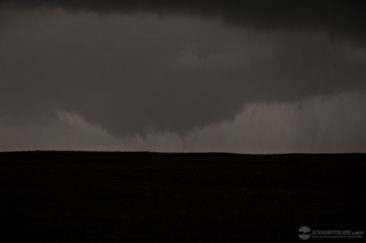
(322, 124)
(173, 74)
(339, 18)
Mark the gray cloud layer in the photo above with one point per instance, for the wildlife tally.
(171, 74)
(338, 17)
(320, 124)
(140, 81)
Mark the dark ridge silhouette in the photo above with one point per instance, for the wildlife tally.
(180, 197)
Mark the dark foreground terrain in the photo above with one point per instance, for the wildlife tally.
(152, 197)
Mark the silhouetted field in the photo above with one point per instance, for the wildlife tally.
(153, 197)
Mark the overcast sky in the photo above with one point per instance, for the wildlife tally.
(220, 76)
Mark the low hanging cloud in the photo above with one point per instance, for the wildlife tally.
(165, 74)
(77, 75)
(332, 123)
(318, 124)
